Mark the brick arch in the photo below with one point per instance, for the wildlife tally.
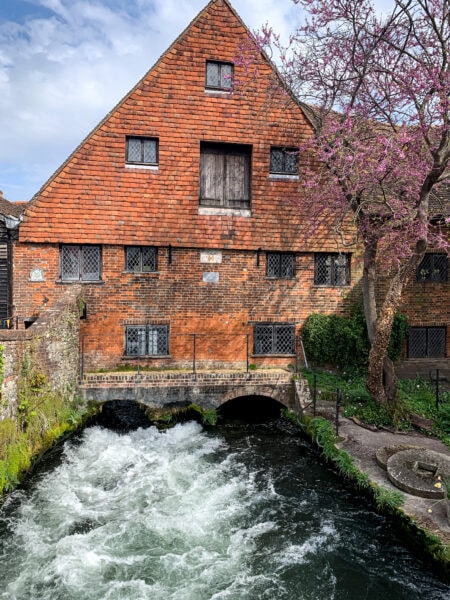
(277, 393)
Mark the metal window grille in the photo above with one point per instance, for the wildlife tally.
(427, 342)
(284, 161)
(332, 269)
(142, 150)
(434, 267)
(135, 341)
(279, 264)
(219, 75)
(274, 339)
(151, 340)
(90, 263)
(141, 259)
(80, 263)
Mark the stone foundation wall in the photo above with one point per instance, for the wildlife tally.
(50, 345)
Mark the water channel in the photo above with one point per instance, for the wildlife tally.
(242, 512)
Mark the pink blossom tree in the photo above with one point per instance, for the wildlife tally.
(379, 88)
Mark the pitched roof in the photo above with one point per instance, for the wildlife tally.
(11, 209)
(94, 197)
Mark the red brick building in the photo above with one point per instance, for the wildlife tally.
(178, 214)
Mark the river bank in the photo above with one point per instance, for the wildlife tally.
(427, 533)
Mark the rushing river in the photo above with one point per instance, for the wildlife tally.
(241, 513)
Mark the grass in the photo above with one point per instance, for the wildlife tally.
(414, 397)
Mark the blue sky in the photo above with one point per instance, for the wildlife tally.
(65, 63)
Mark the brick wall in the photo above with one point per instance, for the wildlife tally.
(52, 343)
(222, 313)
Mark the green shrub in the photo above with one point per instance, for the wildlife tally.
(343, 341)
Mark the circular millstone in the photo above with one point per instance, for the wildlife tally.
(416, 471)
(384, 453)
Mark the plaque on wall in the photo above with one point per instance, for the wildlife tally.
(211, 277)
(211, 256)
(37, 275)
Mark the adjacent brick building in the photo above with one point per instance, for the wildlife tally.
(179, 216)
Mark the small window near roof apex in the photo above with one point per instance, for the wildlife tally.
(283, 161)
(141, 151)
(219, 75)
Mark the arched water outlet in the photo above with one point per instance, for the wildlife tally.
(251, 409)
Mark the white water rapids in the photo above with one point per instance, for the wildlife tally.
(190, 515)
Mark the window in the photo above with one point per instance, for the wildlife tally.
(427, 342)
(225, 175)
(280, 264)
(284, 161)
(274, 339)
(332, 269)
(219, 75)
(141, 259)
(147, 340)
(142, 151)
(433, 268)
(80, 263)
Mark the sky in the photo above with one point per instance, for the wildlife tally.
(64, 64)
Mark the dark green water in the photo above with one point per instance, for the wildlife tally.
(242, 513)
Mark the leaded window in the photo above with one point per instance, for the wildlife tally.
(434, 267)
(147, 340)
(219, 75)
(427, 342)
(225, 175)
(141, 259)
(280, 264)
(284, 161)
(80, 263)
(142, 151)
(274, 339)
(332, 269)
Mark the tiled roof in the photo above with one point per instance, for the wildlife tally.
(11, 209)
(95, 198)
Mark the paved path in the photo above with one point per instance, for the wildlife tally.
(362, 444)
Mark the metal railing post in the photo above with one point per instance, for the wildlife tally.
(314, 394)
(246, 358)
(338, 405)
(82, 358)
(437, 389)
(194, 366)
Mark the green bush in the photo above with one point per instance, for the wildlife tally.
(343, 341)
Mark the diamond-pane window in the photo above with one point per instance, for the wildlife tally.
(284, 161)
(147, 340)
(219, 75)
(332, 269)
(427, 342)
(274, 339)
(434, 267)
(80, 263)
(141, 259)
(280, 264)
(141, 150)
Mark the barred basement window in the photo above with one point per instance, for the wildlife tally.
(219, 75)
(284, 161)
(142, 151)
(427, 342)
(280, 264)
(434, 267)
(141, 259)
(332, 269)
(80, 263)
(274, 339)
(147, 340)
